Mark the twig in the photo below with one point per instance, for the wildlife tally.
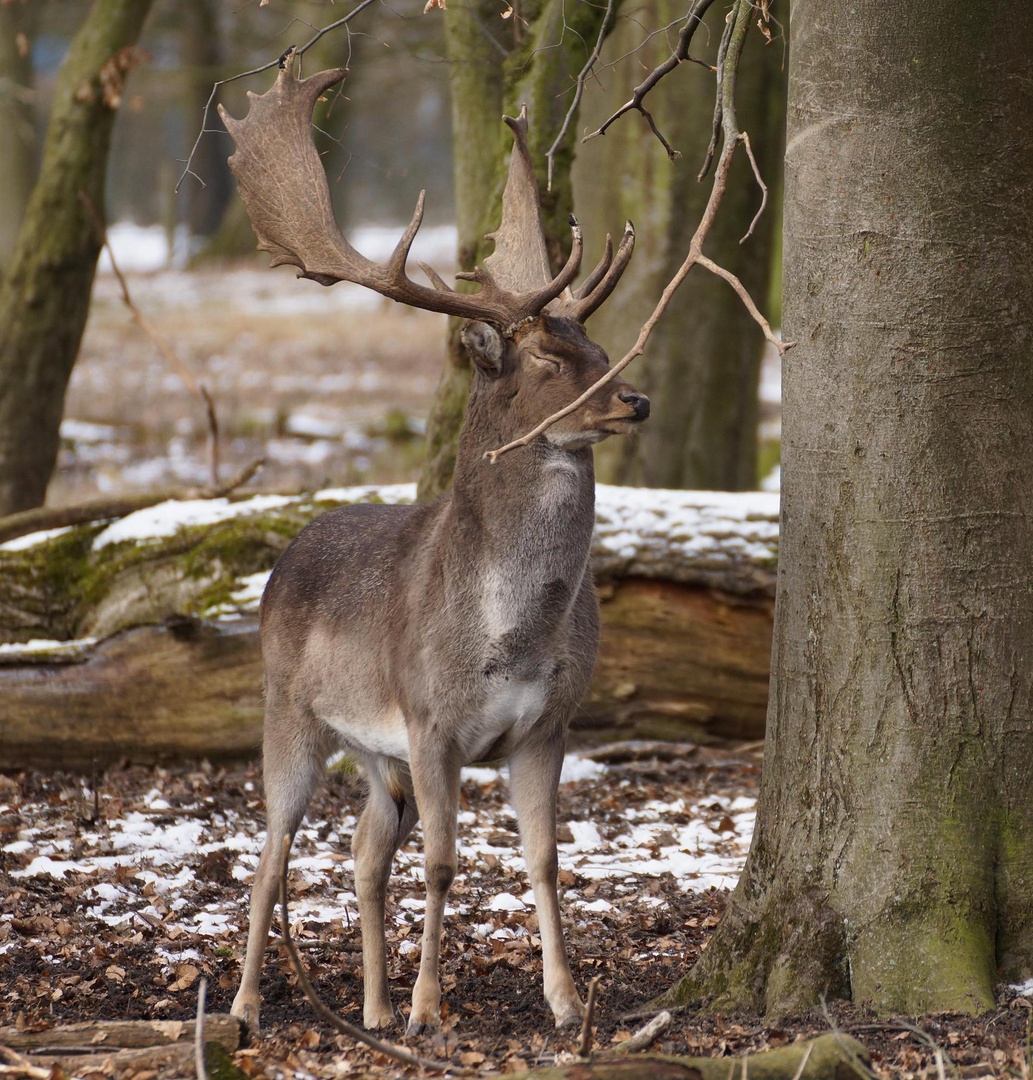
(732, 137)
(760, 183)
(590, 63)
(328, 1014)
(803, 1061)
(196, 388)
(202, 993)
(584, 1048)
(55, 517)
(646, 1034)
(187, 169)
(680, 53)
(21, 1066)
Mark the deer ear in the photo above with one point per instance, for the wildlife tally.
(484, 344)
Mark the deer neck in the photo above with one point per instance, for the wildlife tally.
(535, 506)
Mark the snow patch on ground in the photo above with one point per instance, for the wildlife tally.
(703, 843)
(1024, 989)
(20, 543)
(167, 518)
(46, 645)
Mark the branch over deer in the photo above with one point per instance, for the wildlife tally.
(423, 638)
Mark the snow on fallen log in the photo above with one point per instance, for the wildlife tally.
(138, 637)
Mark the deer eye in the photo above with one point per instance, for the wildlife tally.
(548, 361)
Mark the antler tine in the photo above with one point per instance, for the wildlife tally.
(597, 274)
(587, 300)
(538, 300)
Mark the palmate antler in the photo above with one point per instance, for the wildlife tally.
(284, 187)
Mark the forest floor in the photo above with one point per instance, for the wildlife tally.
(119, 894)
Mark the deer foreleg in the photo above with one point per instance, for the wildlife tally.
(435, 776)
(534, 773)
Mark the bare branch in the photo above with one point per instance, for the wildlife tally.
(584, 1048)
(196, 388)
(395, 1052)
(590, 63)
(300, 51)
(647, 1034)
(760, 183)
(680, 53)
(739, 21)
(202, 993)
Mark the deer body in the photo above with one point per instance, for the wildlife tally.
(425, 638)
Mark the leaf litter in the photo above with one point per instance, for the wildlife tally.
(121, 892)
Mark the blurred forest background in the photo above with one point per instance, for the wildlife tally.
(335, 386)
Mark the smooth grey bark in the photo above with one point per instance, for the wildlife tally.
(893, 856)
(45, 293)
(702, 367)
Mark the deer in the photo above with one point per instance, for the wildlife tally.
(422, 638)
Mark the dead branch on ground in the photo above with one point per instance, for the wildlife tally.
(648, 1033)
(728, 64)
(56, 517)
(584, 1048)
(327, 1014)
(202, 993)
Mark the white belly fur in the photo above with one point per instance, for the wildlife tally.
(386, 735)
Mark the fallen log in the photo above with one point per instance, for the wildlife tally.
(138, 640)
(122, 1047)
(828, 1057)
(98, 1035)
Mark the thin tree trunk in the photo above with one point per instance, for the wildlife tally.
(475, 56)
(702, 370)
(17, 136)
(894, 844)
(46, 292)
(202, 45)
(490, 75)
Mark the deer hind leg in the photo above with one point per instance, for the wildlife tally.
(294, 753)
(435, 773)
(534, 773)
(387, 819)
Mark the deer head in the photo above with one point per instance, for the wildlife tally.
(526, 326)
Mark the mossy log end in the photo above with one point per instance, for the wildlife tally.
(828, 1057)
(147, 650)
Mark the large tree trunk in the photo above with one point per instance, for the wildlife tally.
(894, 844)
(17, 135)
(702, 368)
(489, 75)
(46, 291)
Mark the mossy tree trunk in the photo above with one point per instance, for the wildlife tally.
(702, 367)
(894, 844)
(17, 136)
(491, 73)
(45, 293)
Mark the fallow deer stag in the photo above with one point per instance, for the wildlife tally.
(423, 638)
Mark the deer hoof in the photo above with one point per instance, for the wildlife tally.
(418, 1027)
(380, 1019)
(247, 1013)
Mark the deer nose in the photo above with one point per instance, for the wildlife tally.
(638, 402)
